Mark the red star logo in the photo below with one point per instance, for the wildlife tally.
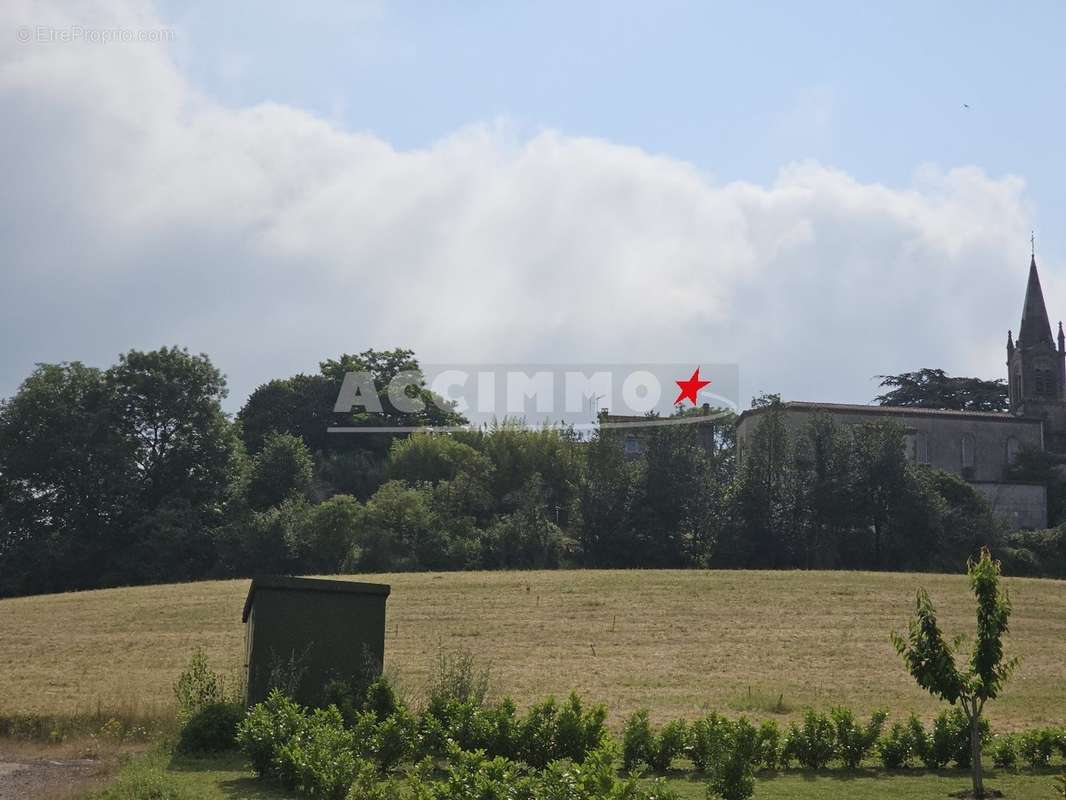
(690, 388)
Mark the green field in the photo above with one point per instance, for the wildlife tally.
(680, 643)
(677, 642)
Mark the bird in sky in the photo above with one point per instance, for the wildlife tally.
(965, 105)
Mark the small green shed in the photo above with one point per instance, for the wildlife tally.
(309, 631)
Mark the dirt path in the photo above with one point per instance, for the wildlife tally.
(24, 778)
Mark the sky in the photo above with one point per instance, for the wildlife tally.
(819, 193)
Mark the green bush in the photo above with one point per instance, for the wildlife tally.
(452, 721)
(637, 741)
(1004, 752)
(948, 741)
(364, 691)
(668, 745)
(854, 742)
(320, 761)
(959, 727)
(768, 745)
(708, 739)
(396, 738)
(266, 728)
(198, 687)
(1036, 746)
(578, 732)
(460, 677)
(896, 747)
(921, 746)
(536, 734)
(936, 747)
(212, 729)
(812, 745)
(501, 727)
(733, 777)
(475, 776)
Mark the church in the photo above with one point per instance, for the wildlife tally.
(978, 446)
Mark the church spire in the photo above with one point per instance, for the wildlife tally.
(1035, 325)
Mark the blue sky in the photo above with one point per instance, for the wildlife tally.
(793, 188)
(737, 89)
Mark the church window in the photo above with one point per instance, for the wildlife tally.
(921, 449)
(1014, 447)
(968, 446)
(632, 445)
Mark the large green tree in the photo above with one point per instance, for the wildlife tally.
(933, 388)
(67, 480)
(114, 476)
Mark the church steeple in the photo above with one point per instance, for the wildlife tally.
(1035, 327)
(1036, 369)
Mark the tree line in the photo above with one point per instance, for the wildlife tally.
(134, 474)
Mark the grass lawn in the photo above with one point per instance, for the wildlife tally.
(227, 778)
(677, 642)
(878, 785)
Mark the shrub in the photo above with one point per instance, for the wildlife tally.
(501, 728)
(733, 778)
(896, 747)
(936, 748)
(536, 734)
(212, 729)
(921, 745)
(854, 742)
(768, 745)
(451, 721)
(1004, 752)
(668, 745)
(320, 761)
(380, 698)
(366, 739)
(473, 776)
(813, 744)
(578, 732)
(707, 741)
(266, 728)
(396, 738)
(460, 677)
(949, 739)
(1036, 746)
(1060, 742)
(198, 686)
(959, 728)
(637, 741)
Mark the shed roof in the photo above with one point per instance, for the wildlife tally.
(287, 583)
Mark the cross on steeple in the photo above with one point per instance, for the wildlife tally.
(1032, 242)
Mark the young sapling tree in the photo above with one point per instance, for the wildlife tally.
(932, 660)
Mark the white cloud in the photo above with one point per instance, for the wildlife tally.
(138, 212)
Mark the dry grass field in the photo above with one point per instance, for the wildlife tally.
(677, 642)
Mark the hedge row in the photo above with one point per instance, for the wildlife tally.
(324, 753)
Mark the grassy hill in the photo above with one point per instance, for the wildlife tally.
(677, 642)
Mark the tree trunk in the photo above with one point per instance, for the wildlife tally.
(975, 750)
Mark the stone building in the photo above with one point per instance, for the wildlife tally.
(978, 446)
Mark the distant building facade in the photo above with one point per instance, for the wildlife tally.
(978, 446)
